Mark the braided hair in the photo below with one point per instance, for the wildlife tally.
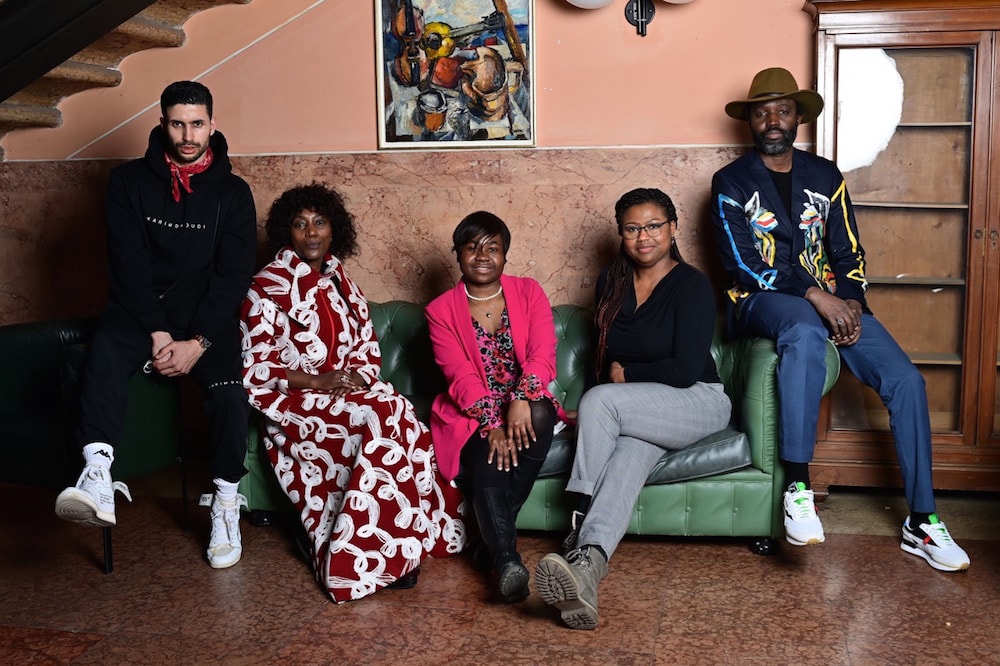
(620, 271)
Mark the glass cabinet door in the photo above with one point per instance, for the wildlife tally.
(911, 91)
(904, 139)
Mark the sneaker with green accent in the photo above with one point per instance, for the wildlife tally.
(802, 526)
(932, 542)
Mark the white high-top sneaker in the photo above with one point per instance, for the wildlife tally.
(92, 500)
(225, 545)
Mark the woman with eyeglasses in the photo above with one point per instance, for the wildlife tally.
(657, 390)
(346, 447)
(494, 339)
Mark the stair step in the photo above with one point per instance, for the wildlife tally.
(134, 35)
(158, 26)
(66, 79)
(177, 12)
(20, 116)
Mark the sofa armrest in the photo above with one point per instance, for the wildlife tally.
(749, 368)
(31, 354)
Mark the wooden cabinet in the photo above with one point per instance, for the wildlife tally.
(909, 87)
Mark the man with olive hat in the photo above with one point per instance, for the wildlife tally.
(788, 238)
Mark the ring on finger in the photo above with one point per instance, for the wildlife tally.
(840, 322)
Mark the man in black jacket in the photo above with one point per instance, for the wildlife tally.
(182, 239)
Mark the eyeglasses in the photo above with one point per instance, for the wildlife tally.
(632, 231)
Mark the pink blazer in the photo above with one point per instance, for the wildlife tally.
(456, 351)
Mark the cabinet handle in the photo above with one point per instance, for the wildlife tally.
(977, 234)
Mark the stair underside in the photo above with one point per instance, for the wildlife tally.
(158, 26)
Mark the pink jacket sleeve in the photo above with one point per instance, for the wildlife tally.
(533, 330)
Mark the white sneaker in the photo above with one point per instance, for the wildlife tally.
(225, 545)
(92, 500)
(802, 526)
(932, 542)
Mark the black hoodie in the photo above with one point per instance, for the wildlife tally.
(181, 267)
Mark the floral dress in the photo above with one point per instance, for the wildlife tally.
(503, 377)
(360, 470)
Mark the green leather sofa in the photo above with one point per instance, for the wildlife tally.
(41, 362)
(740, 502)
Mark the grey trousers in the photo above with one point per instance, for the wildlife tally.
(622, 431)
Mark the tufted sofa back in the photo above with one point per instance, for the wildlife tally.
(408, 360)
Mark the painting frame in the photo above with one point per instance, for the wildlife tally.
(455, 74)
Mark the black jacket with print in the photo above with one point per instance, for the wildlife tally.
(185, 266)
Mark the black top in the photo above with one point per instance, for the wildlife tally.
(181, 266)
(783, 183)
(668, 339)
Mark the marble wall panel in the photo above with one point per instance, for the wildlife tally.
(559, 205)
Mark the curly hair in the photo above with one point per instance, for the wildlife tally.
(318, 198)
(620, 272)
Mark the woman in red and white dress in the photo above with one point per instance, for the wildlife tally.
(347, 449)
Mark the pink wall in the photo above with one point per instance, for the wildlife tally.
(294, 82)
(298, 76)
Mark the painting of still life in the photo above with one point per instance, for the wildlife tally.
(455, 73)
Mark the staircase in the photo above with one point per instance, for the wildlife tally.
(55, 48)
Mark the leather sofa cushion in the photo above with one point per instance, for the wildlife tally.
(723, 451)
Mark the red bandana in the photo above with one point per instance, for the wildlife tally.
(181, 175)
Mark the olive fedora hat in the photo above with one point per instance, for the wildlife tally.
(776, 83)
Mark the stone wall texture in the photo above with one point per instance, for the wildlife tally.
(559, 205)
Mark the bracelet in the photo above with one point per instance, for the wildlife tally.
(203, 341)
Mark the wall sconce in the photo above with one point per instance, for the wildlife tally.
(637, 12)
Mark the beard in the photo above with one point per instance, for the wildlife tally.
(775, 146)
(179, 158)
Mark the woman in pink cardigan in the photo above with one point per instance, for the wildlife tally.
(494, 339)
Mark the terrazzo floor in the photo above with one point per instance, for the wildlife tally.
(857, 599)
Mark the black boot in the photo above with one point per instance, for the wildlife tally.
(496, 526)
(406, 581)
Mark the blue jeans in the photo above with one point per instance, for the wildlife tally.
(876, 359)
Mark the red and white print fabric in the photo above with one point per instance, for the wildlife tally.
(361, 469)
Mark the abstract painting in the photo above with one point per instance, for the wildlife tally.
(455, 73)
